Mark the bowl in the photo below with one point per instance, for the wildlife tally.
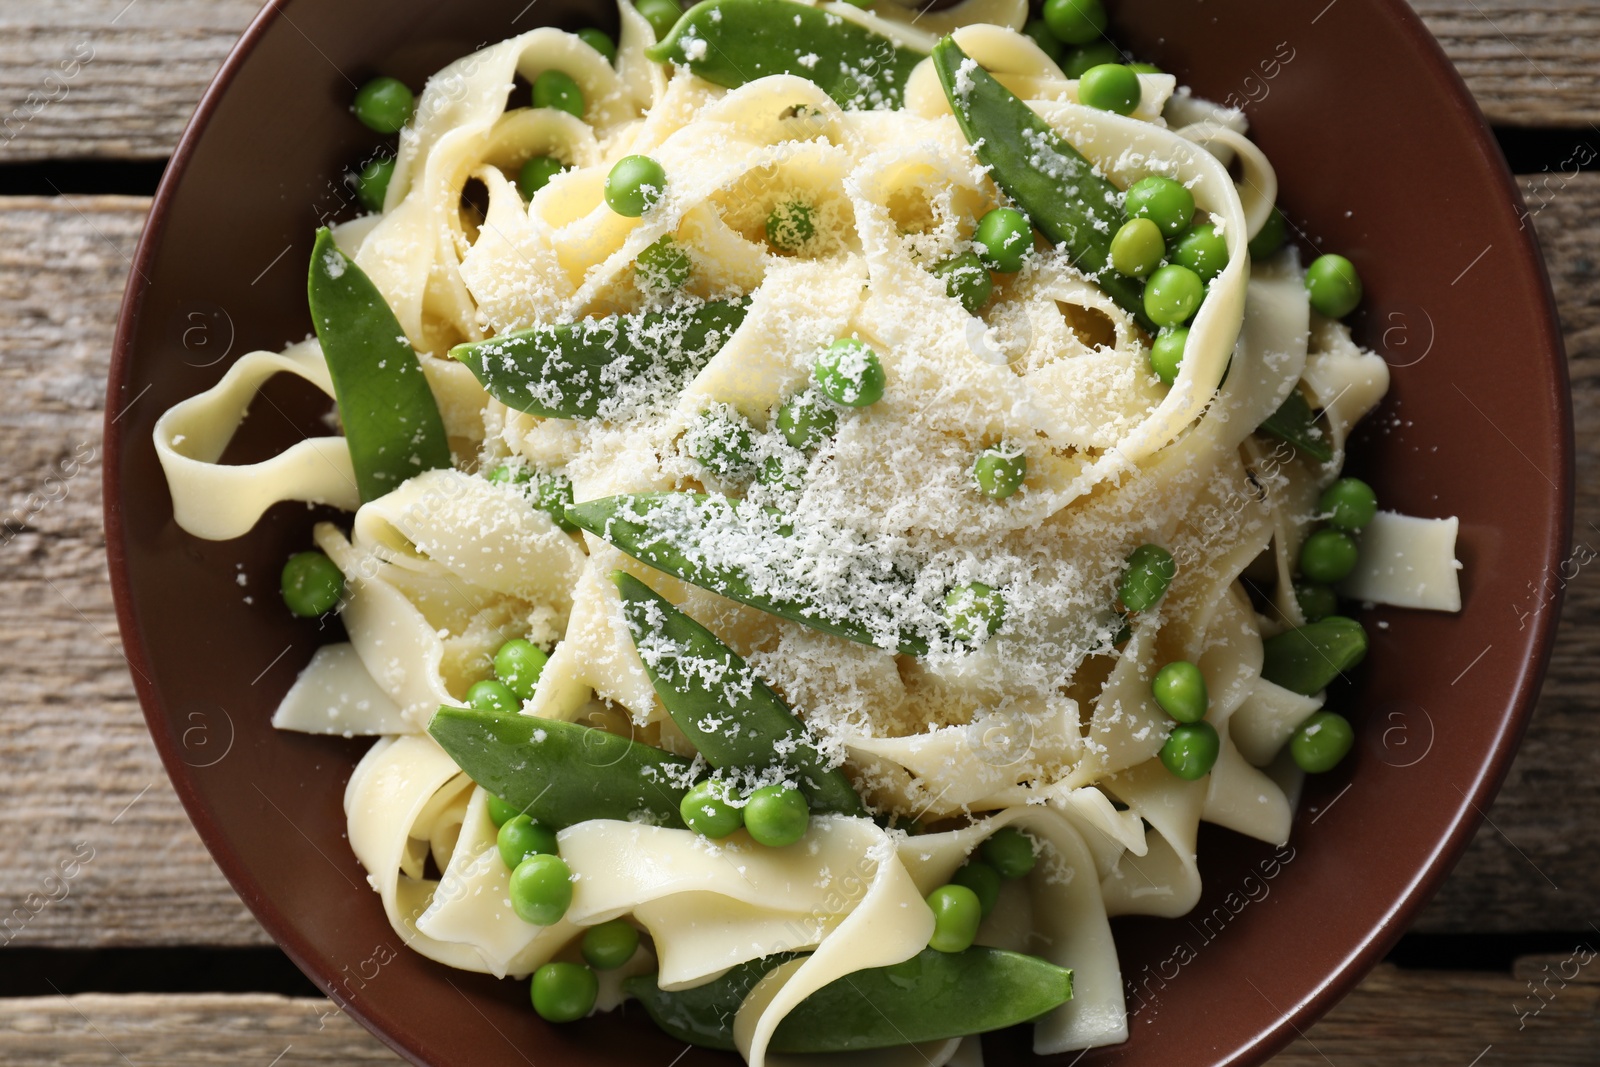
(1394, 168)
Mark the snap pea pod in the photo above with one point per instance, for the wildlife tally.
(1053, 184)
(391, 420)
(674, 547)
(932, 996)
(734, 720)
(561, 773)
(1306, 660)
(1296, 423)
(600, 368)
(732, 42)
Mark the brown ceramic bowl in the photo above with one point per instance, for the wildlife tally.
(1382, 156)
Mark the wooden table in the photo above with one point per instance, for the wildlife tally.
(1494, 972)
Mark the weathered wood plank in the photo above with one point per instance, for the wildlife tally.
(110, 79)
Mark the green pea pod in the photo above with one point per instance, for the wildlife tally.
(732, 42)
(562, 773)
(391, 420)
(1044, 175)
(672, 546)
(1306, 660)
(932, 996)
(734, 720)
(601, 368)
(1296, 423)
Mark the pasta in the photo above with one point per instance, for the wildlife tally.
(759, 494)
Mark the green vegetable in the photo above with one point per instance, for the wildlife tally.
(1319, 743)
(1191, 750)
(551, 492)
(1295, 423)
(499, 811)
(1110, 87)
(849, 373)
(1316, 601)
(626, 521)
(930, 997)
(806, 420)
(1078, 61)
(1000, 471)
(662, 15)
(974, 611)
(1138, 248)
(541, 889)
(1270, 237)
(491, 695)
(956, 914)
(1144, 68)
(1166, 353)
(1334, 286)
(748, 39)
(663, 266)
(1075, 21)
(705, 686)
(789, 226)
(372, 183)
(1151, 569)
(384, 105)
(1202, 249)
(635, 185)
(521, 837)
(518, 664)
(1328, 556)
(1004, 238)
(777, 816)
(560, 773)
(723, 441)
(391, 420)
(1042, 174)
(572, 371)
(1047, 41)
(600, 41)
(536, 174)
(783, 471)
(983, 880)
(1180, 689)
(966, 279)
(707, 812)
(1172, 295)
(1305, 660)
(557, 89)
(1349, 504)
(609, 945)
(1010, 852)
(564, 992)
(1161, 200)
(311, 584)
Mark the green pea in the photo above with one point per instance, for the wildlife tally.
(600, 41)
(1180, 689)
(1317, 601)
(520, 837)
(1173, 295)
(499, 810)
(1004, 238)
(1203, 250)
(967, 280)
(1349, 504)
(555, 88)
(790, 225)
(723, 441)
(1166, 353)
(564, 992)
(384, 105)
(1079, 60)
(1145, 68)
(1161, 200)
(492, 695)
(1151, 569)
(1110, 87)
(785, 473)
(1075, 21)
(1191, 750)
(956, 915)
(973, 611)
(1334, 285)
(505, 474)
(536, 174)
(983, 880)
(1328, 556)
(706, 811)
(1000, 471)
(1010, 852)
(849, 373)
(806, 420)
(662, 15)
(1138, 248)
(372, 183)
(776, 815)
(311, 584)
(518, 664)
(1270, 237)
(663, 266)
(1319, 743)
(609, 945)
(635, 185)
(541, 889)
(1047, 41)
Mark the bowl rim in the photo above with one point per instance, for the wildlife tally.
(1347, 973)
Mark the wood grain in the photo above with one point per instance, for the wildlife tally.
(117, 80)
